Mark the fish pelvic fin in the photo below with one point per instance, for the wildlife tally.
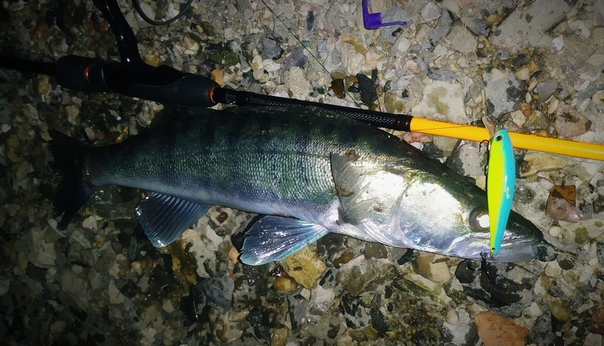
(164, 218)
(73, 191)
(273, 238)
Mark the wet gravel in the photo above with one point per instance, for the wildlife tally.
(535, 66)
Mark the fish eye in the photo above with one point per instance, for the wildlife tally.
(499, 138)
(479, 220)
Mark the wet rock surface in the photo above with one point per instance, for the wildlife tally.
(535, 66)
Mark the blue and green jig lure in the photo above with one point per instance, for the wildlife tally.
(501, 182)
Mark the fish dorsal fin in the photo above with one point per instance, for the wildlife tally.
(164, 218)
(273, 238)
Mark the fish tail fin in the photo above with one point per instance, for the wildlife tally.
(73, 190)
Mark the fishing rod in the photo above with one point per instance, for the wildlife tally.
(133, 77)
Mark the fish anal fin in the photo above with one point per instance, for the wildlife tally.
(273, 238)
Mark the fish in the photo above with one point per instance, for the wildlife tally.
(307, 172)
(501, 182)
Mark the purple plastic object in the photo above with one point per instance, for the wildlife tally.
(373, 21)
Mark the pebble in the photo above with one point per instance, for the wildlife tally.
(555, 231)
(468, 160)
(542, 330)
(552, 269)
(442, 28)
(559, 308)
(528, 27)
(561, 204)
(40, 253)
(126, 293)
(434, 271)
(270, 48)
(597, 320)
(360, 275)
(305, 267)
(496, 330)
(598, 97)
(285, 285)
(523, 73)
(394, 104)
(426, 288)
(296, 83)
(218, 291)
(597, 58)
(461, 40)
(279, 336)
(535, 163)
(570, 123)
(536, 122)
(552, 107)
(503, 91)
(430, 12)
(546, 89)
(442, 101)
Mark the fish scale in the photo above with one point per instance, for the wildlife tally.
(310, 173)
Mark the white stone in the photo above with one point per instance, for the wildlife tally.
(579, 28)
(558, 43)
(555, 231)
(597, 58)
(518, 118)
(430, 12)
(442, 101)
(4, 286)
(598, 97)
(552, 269)
(401, 45)
(115, 296)
(539, 162)
(460, 328)
(535, 309)
(40, 253)
(295, 81)
(168, 306)
(425, 265)
(523, 73)
(461, 40)
(322, 299)
(529, 26)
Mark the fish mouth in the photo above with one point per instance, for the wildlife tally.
(515, 251)
(512, 250)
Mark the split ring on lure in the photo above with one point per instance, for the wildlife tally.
(501, 181)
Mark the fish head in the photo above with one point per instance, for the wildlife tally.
(450, 217)
(522, 240)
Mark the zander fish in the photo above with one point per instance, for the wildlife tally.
(309, 173)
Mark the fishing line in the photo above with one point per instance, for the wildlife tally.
(137, 6)
(308, 50)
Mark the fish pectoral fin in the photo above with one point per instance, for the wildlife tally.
(273, 238)
(350, 178)
(164, 218)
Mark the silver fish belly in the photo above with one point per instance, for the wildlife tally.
(309, 173)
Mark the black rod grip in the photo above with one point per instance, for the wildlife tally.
(188, 90)
(26, 65)
(80, 73)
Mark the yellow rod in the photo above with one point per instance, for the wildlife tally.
(533, 142)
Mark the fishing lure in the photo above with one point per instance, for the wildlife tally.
(501, 181)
